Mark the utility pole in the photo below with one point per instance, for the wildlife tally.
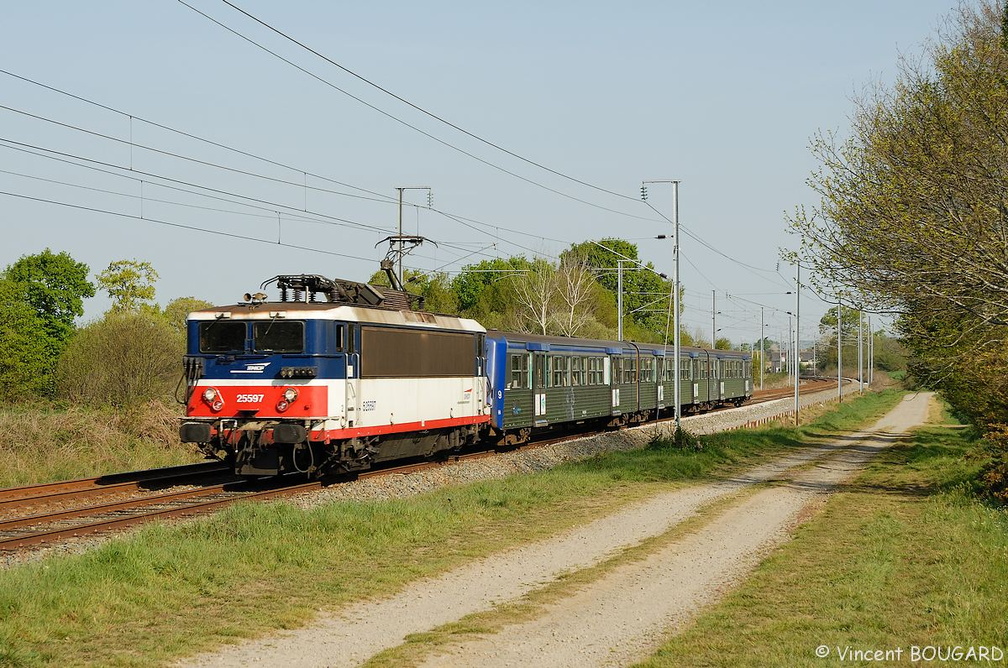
(762, 347)
(860, 351)
(619, 300)
(871, 354)
(839, 351)
(797, 319)
(677, 384)
(713, 318)
(398, 243)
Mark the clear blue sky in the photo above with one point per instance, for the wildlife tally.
(723, 96)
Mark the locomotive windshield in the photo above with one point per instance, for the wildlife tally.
(221, 337)
(278, 336)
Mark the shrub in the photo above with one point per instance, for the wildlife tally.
(123, 359)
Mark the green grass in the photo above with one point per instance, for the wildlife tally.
(166, 591)
(905, 556)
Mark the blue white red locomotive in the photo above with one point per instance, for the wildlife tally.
(360, 378)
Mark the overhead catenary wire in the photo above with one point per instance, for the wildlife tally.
(133, 117)
(10, 143)
(430, 114)
(169, 223)
(413, 127)
(692, 235)
(378, 197)
(181, 156)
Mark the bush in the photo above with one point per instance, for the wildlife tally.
(123, 359)
(994, 476)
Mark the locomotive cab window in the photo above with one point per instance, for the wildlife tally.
(221, 337)
(278, 336)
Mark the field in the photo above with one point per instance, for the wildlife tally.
(905, 555)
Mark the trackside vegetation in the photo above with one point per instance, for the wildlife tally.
(914, 562)
(169, 590)
(49, 443)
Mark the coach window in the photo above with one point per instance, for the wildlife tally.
(560, 375)
(519, 371)
(647, 369)
(578, 371)
(216, 336)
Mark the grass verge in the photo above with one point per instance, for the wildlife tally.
(167, 591)
(905, 557)
(50, 443)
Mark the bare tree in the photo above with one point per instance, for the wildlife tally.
(535, 291)
(575, 284)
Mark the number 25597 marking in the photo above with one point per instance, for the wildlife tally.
(249, 398)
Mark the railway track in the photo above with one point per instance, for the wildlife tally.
(18, 497)
(47, 514)
(807, 386)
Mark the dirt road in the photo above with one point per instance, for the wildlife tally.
(618, 618)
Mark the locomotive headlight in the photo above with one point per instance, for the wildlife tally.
(288, 397)
(213, 399)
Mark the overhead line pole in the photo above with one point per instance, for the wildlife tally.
(676, 383)
(713, 318)
(762, 347)
(619, 300)
(400, 240)
(797, 349)
(675, 315)
(860, 351)
(839, 350)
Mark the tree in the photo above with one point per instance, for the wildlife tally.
(436, 289)
(55, 286)
(178, 309)
(537, 294)
(913, 204)
(574, 284)
(645, 293)
(913, 213)
(130, 283)
(477, 280)
(26, 359)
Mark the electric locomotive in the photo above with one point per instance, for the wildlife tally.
(329, 386)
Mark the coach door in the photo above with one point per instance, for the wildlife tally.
(540, 380)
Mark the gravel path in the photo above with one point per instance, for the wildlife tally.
(624, 616)
(614, 620)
